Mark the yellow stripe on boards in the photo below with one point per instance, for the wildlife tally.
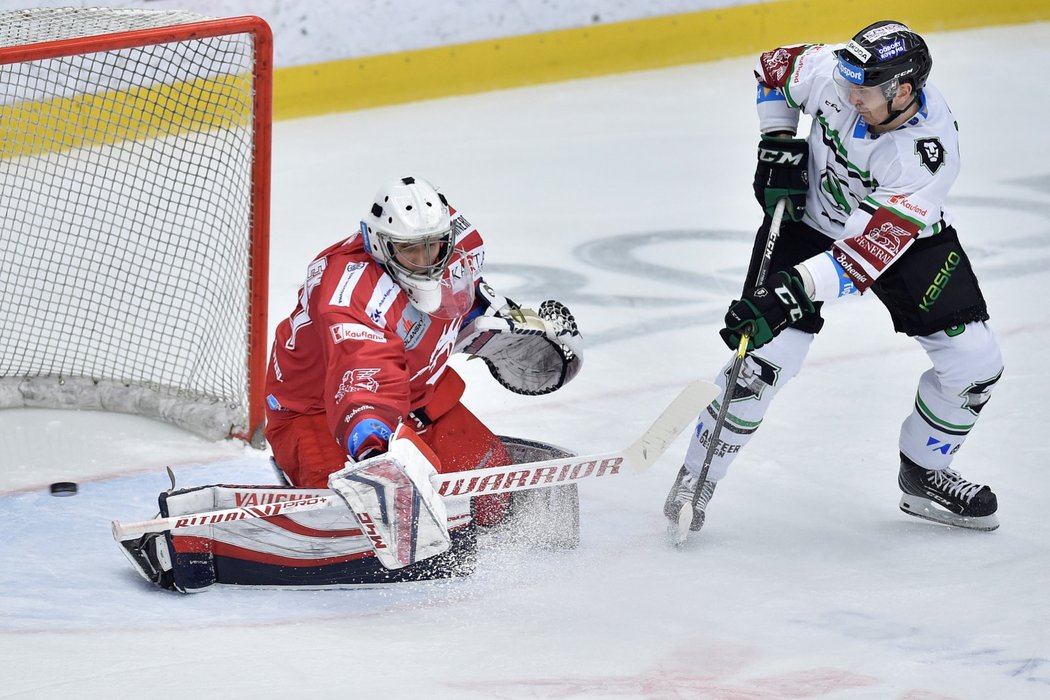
(617, 47)
(373, 81)
(116, 116)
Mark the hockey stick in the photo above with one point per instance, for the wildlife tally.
(680, 532)
(639, 456)
(514, 477)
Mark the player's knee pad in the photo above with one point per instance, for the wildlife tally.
(766, 371)
(966, 359)
(762, 375)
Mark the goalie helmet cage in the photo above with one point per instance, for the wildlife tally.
(134, 214)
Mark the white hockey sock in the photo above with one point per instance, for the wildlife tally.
(951, 394)
(761, 377)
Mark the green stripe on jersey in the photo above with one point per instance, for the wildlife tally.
(832, 138)
(791, 71)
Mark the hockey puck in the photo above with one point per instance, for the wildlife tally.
(64, 488)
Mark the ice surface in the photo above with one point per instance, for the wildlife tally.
(628, 198)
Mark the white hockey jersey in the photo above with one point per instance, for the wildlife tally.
(874, 194)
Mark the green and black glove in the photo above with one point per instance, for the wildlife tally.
(765, 311)
(781, 173)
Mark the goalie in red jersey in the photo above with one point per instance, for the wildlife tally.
(367, 347)
(360, 367)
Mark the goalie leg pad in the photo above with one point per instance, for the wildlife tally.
(313, 549)
(547, 518)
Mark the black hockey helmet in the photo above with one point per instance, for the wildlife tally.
(884, 51)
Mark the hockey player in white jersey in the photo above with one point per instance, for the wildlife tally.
(866, 212)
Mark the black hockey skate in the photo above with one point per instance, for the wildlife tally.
(943, 496)
(680, 501)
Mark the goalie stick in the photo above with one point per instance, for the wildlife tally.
(678, 531)
(639, 456)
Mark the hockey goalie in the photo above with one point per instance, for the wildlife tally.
(363, 412)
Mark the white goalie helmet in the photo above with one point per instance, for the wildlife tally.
(409, 231)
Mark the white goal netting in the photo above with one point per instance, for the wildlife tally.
(126, 216)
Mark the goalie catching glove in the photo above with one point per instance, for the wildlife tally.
(529, 352)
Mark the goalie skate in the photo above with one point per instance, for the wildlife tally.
(149, 555)
(943, 496)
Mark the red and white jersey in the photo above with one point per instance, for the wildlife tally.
(873, 193)
(354, 347)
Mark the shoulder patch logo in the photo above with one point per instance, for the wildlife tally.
(345, 289)
(931, 154)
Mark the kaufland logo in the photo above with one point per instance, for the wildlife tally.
(354, 331)
(851, 73)
(901, 200)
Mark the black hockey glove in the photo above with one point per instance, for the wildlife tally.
(766, 310)
(781, 173)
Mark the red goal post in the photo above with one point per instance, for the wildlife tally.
(134, 214)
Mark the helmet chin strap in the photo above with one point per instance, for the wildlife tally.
(893, 114)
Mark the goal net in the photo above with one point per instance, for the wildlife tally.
(134, 186)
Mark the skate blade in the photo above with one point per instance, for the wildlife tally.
(927, 510)
(134, 551)
(678, 530)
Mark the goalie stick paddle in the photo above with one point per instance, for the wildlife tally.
(678, 531)
(638, 456)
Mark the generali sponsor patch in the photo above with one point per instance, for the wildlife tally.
(886, 236)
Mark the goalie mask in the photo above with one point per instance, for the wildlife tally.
(409, 231)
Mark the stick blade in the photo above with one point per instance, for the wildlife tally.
(679, 414)
(678, 530)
